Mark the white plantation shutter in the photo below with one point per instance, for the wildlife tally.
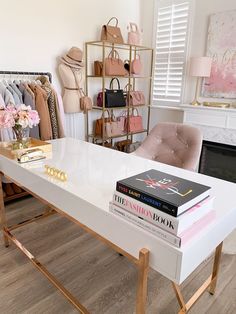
(170, 47)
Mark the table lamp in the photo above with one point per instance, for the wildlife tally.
(199, 67)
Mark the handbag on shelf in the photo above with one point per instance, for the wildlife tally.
(112, 33)
(98, 127)
(114, 66)
(98, 66)
(136, 98)
(122, 118)
(113, 127)
(113, 97)
(136, 65)
(133, 98)
(127, 66)
(134, 36)
(134, 122)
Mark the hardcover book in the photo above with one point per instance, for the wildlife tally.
(177, 241)
(174, 225)
(170, 194)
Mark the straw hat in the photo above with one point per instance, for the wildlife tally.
(73, 58)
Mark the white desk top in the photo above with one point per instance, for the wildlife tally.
(92, 174)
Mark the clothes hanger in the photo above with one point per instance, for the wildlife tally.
(4, 81)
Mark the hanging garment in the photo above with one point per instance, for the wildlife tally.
(60, 114)
(17, 91)
(2, 103)
(57, 126)
(29, 100)
(15, 96)
(6, 134)
(41, 106)
(6, 95)
(52, 110)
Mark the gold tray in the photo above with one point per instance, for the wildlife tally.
(216, 104)
(6, 148)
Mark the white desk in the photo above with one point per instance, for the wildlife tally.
(92, 174)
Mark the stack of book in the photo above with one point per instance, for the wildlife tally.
(172, 208)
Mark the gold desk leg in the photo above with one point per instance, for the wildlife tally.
(142, 281)
(209, 283)
(47, 274)
(3, 214)
(216, 267)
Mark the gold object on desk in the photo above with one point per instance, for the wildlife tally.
(216, 104)
(36, 149)
(31, 155)
(56, 173)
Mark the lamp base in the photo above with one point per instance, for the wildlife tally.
(195, 102)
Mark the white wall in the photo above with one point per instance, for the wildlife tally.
(35, 34)
(203, 8)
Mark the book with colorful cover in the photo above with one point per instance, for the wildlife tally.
(170, 194)
(177, 241)
(160, 233)
(174, 225)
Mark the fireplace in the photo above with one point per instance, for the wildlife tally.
(218, 160)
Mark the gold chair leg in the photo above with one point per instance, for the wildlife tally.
(142, 281)
(209, 283)
(3, 214)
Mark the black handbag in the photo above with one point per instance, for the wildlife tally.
(114, 97)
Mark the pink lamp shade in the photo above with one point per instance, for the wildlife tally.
(200, 66)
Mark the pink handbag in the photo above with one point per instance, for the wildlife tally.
(133, 98)
(134, 122)
(137, 98)
(122, 118)
(114, 66)
(134, 36)
(136, 65)
(113, 127)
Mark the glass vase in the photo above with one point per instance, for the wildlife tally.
(21, 136)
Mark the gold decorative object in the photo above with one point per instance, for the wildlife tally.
(216, 104)
(36, 149)
(55, 173)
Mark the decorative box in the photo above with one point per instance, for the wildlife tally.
(32, 149)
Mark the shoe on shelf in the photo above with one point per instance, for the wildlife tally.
(16, 188)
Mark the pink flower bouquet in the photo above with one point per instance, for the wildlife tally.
(18, 118)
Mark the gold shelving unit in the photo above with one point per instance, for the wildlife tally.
(131, 51)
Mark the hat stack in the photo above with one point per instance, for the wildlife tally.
(73, 58)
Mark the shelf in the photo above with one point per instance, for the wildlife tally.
(102, 80)
(124, 46)
(120, 108)
(117, 136)
(15, 196)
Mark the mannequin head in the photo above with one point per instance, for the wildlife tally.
(71, 78)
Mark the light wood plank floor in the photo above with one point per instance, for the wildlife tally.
(101, 279)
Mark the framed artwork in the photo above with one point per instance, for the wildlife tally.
(221, 46)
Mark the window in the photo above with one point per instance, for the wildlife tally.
(171, 38)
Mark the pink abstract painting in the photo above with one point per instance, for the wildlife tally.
(221, 46)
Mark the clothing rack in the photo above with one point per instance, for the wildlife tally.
(23, 73)
(28, 73)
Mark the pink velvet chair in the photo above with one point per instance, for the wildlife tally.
(174, 144)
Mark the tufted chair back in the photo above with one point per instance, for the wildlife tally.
(174, 144)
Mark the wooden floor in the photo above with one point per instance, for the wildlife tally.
(101, 279)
